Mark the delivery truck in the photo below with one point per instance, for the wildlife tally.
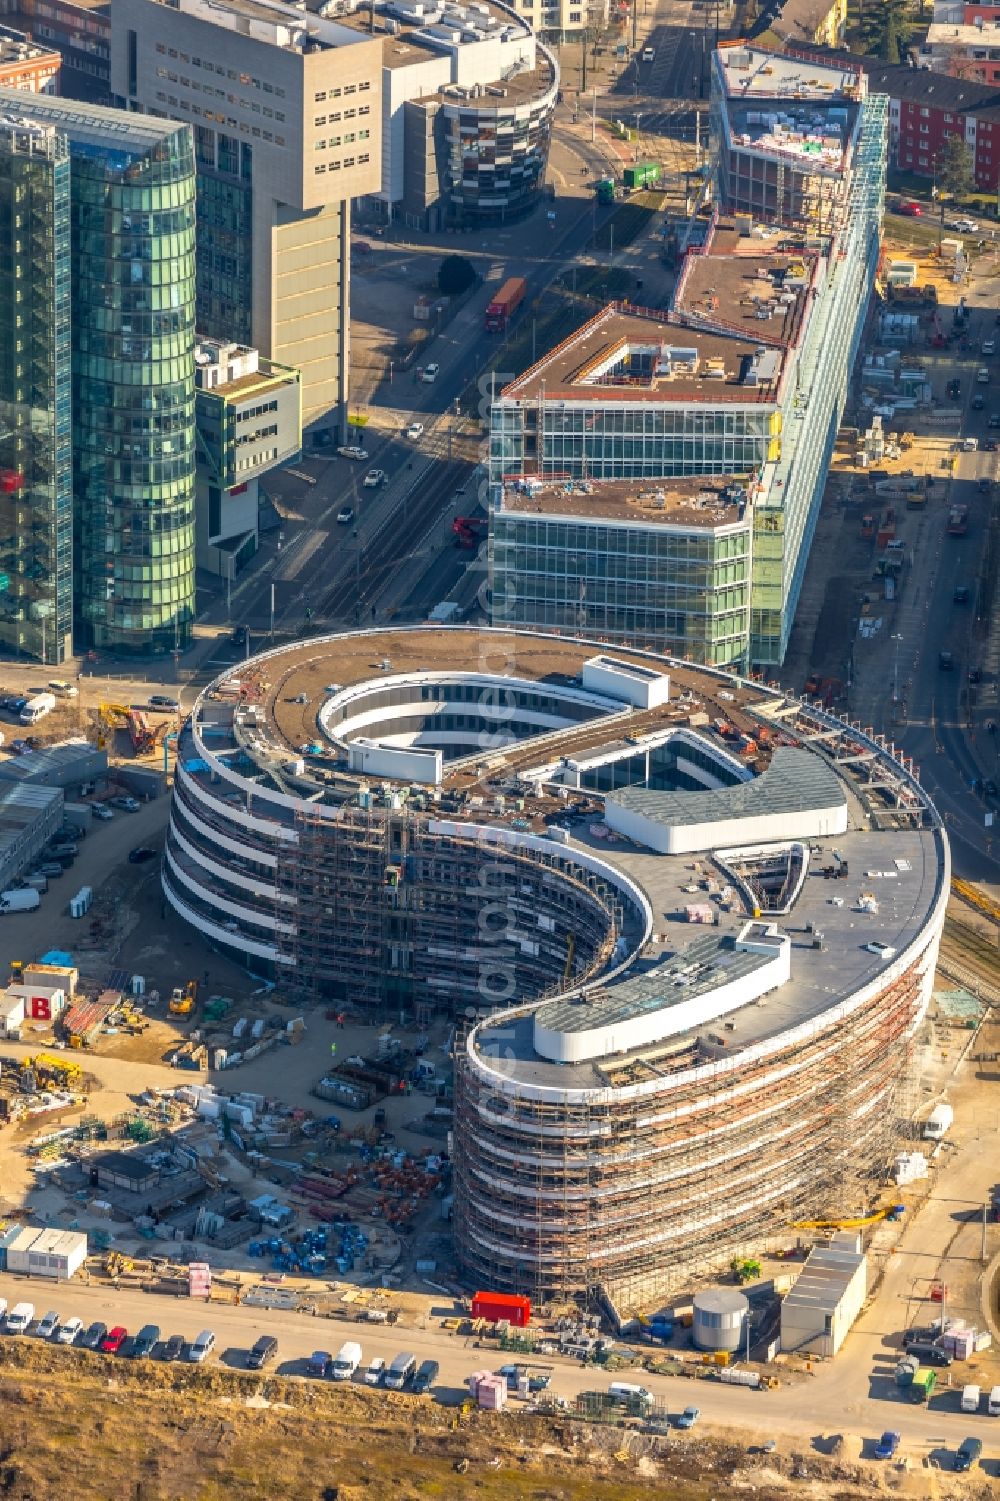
(346, 1361)
(25, 899)
(501, 308)
(36, 708)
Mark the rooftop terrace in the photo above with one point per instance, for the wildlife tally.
(696, 501)
(750, 72)
(638, 354)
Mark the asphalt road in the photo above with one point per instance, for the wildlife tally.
(822, 1403)
(940, 733)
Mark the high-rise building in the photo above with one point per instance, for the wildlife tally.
(124, 285)
(657, 477)
(36, 452)
(286, 109)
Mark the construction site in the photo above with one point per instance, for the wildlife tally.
(713, 910)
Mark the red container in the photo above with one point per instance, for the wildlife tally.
(497, 1307)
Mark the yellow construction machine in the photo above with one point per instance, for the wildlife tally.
(182, 1000)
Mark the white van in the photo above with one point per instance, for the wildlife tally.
(20, 1317)
(993, 1403)
(36, 708)
(970, 1398)
(202, 1347)
(628, 1391)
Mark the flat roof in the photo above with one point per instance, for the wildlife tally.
(749, 71)
(19, 47)
(698, 969)
(796, 781)
(738, 279)
(695, 501)
(90, 124)
(629, 354)
(819, 978)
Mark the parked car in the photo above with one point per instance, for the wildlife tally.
(415, 430)
(201, 1346)
(375, 1371)
(374, 478)
(69, 1333)
(94, 1335)
(113, 1340)
(688, 1417)
(345, 515)
(127, 804)
(141, 854)
(102, 812)
(994, 420)
(968, 1454)
(162, 703)
(172, 1348)
(978, 402)
(426, 1376)
(352, 451)
(887, 1445)
(50, 869)
(144, 1341)
(47, 1325)
(320, 1362)
(263, 1351)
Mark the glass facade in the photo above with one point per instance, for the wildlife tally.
(36, 478)
(683, 591)
(628, 441)
(134, 413)
(225, 235)
(785, 520)
(495, 158)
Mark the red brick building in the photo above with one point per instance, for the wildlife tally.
(926, 108)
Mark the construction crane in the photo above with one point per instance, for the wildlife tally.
(859, 1222)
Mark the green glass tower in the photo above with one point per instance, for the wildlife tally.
(131, 185)
(36, 459)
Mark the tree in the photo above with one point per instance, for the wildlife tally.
(455, 275)
(955, 170)
(884, 28)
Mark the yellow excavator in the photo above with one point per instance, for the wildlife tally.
(182, 999)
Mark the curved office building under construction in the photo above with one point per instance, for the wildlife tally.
(686, 926)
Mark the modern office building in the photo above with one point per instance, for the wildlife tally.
(79, 31)
(25, 64)
(644, 469)
(468, 95)
(249, 416)
(127, 293)
(36, 449)
(606, 868)
(286, 109)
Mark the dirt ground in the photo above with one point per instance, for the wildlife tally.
(148, 1432)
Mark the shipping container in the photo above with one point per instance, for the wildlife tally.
(642, 175)
(502, 1307)
(502, 307)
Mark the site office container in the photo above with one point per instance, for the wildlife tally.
(500, 1307)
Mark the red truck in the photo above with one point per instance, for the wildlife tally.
(958, 521)
(503, 306)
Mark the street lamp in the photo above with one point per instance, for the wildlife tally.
(895, 671)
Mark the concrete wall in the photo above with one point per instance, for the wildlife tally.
(765, 828)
